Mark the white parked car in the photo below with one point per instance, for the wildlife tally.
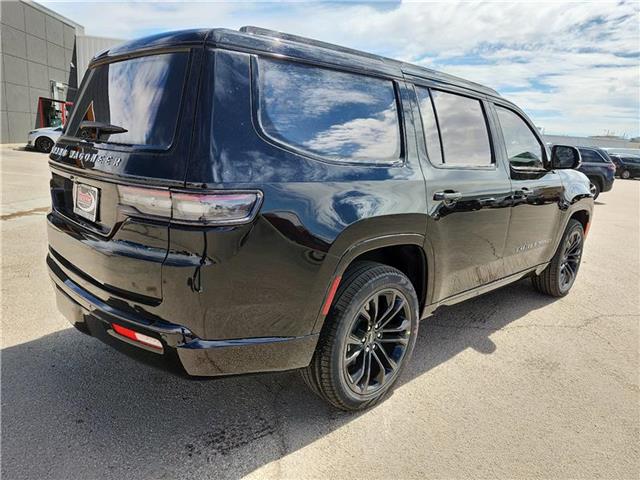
(43, 139)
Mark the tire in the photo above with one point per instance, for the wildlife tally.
(44, 144)
(625, 174)
(553, 279)
(338, 370)
(595, 188)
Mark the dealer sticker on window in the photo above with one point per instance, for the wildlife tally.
(85, 201)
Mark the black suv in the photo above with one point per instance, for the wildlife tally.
(599, 169)
(229, 202)
(627, 166)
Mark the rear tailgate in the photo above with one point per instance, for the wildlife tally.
(104, 246)
(115, 253)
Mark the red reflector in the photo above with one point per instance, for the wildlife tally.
(332, 293)
(125, 332)
(586, 229)
(136, 336)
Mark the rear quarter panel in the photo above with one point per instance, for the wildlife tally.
(270, 278)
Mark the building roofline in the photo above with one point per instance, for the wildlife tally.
(99, 37)
(78, 28)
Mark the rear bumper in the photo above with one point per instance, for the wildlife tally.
(182, 352)
(607, 183)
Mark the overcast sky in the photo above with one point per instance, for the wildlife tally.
(574, 67)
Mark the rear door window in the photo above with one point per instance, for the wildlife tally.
(142, 96)
(463, 130)
(328, 113)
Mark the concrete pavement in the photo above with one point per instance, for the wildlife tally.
(509, 385)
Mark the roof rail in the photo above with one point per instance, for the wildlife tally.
(265, 32)
(405, 67)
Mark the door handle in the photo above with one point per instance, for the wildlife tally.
(447, 196)
(524, 192)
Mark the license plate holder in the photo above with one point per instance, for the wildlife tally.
(85, 201)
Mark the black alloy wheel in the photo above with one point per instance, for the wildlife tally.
(572, 254)
(559, 276)
(44, 144)
(377, 342)
(367, 337)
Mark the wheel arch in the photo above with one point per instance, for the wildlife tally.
(404, 251)
(583, 216)
(583, 212)
(597, 179)
(409, 258)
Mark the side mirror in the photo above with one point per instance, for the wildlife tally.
(565, 157)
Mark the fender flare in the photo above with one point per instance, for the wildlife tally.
(581, 205)
(367, 245)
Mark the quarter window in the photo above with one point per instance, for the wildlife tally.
(430, 126)
(329, 113)
(523, 148)
(463, 130)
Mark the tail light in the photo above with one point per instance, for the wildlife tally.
(611, 166)
(147, 201)
(214, 208)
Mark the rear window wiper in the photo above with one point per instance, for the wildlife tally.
(101, 127)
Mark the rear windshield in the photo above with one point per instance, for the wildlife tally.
(140, 95)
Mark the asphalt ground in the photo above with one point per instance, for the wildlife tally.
(508, 385)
